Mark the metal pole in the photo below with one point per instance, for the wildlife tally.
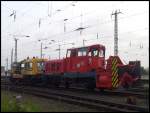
(6, 66)
(64, 27)
(59, 51)
(11, 57)
(116, 33)
(83, 42)
(16, 50)
(65, 24)
(41, 49)
(81, 25)
(48, 8)
(51, 9)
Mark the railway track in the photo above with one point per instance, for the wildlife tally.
(140, 93)
(146, 81)
(139, 89)
(78, 99)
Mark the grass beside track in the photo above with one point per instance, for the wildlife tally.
(31, 103)
(10, 104)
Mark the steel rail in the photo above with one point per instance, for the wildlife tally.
(143, 94)
(79, 100)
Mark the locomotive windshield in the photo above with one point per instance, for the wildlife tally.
(96, 52)
(93, 52)
(101, 53)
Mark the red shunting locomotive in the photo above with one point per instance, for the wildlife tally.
(86, 66)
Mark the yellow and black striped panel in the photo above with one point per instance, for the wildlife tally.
(114, 73)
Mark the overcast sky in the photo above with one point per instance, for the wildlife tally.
(133, 28)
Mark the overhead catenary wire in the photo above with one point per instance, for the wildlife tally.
(57, 11)
(84, 14)
(20, 14)
(77, 16)
(108, 21)
(40, 18)
(94, 25)
(57, 43)
(100, 37)
(61, 20)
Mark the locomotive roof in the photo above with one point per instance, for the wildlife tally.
(55, 60)
(33, 59)
(95, 45)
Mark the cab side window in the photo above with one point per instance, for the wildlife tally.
(68, 53)
(30, 65)
(82, 52)
(22, 65)
(73, 53)
(27, 65)
(40, 65)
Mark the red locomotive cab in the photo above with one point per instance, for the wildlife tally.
(85, 59)
(96, 56)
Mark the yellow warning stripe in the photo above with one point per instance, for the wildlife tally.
(116, 82)
(114, 60)
(114, 73)
(117, 85)
(114, 67)
(113, 82)
(114, 64)
(114, 77)
(114, 70)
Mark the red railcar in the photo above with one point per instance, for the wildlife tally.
(55, 67)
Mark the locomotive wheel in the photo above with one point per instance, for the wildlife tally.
(126, 86)
(101, 90)
(90, 85)
(57, 83)
(67, 84)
